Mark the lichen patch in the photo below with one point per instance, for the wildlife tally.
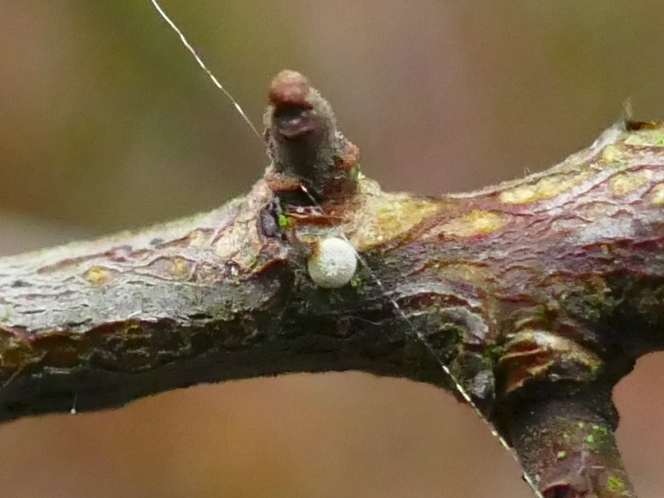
(97, 275)
(179, 267)
(383, 217)
(625, 183)
(198, 238)
(612, 154)
(647, 138)
(475, 223)
(546, 188)
(657, 195)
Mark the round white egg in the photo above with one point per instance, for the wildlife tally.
(333, 263)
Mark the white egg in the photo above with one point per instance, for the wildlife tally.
(333, 263)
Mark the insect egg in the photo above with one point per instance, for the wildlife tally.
(333, 263)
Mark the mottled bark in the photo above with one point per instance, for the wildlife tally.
(538, 294)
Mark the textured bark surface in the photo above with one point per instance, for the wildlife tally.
(538, 294)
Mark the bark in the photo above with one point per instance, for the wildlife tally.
(538, 295)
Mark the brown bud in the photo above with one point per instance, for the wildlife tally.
(304, 144)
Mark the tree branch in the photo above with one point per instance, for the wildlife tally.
(538, 294)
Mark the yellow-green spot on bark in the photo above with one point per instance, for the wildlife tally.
(475, 223)
(546, 188)
(283, 221)
(616, 485)
(357, 284)
(561, 455)
(383, 217)
(97, 275)
(601, 431)
(590, 438)
(252, 260)
(179, 267)
(5, 313)
(356, 173)
(626, 183)
(197, 238)
(646, 138)
(657, 195)
(612, 154)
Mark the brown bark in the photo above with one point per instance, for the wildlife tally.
(538, 294)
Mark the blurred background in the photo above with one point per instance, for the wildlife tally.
(106, 123)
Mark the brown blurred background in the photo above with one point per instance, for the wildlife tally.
(107, 123)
